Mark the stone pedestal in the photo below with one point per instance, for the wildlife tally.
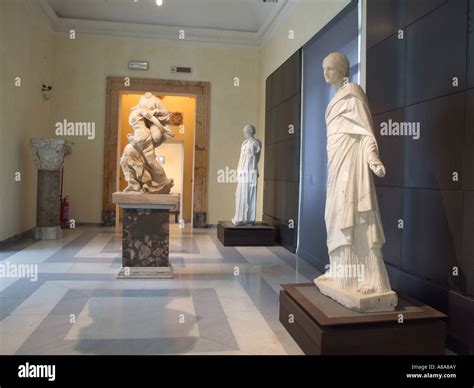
(365, 303)
(256, 235)
(322, 326)
(145, 234)
(49, 157)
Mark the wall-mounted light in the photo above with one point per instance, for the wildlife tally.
(159, 3)
(138, 65)
(47, 91)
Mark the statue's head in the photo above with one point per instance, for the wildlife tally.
(148, 101)
(336, 67)
(249, 131)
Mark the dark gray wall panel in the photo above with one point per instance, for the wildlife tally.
(391, 150)
(418, 288)
(468, 167)
(269, 170)
(384, 18)
(438, 215)
(431, 242)
(465, 281)
(436, 52)
(270, 124)
(292, 201)
(282, 153)
(431, 160)
(291, 77)
(470, 49)
(268, 94)
(277, 87)
(289, 114)
(419, 8)
(460, 318)
(391, 210)
(285, 151)
(386, 66)
(269, 195)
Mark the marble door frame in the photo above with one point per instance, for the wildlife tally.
(201, 90)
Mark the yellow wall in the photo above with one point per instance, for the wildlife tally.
(81, 68)
(185, 105)
(26, 44)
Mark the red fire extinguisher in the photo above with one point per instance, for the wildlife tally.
(64, 212)
(64, 206)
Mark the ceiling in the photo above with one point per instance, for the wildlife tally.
(231, 21)
(233, 15)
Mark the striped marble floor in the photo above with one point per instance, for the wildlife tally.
(223, 300)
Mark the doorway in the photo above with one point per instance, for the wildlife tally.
(173, 94)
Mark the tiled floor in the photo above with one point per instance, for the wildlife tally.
(223, 300)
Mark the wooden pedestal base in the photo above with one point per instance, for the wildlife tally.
(321, 326)
(257, 235)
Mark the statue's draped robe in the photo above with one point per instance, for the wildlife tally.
(354, 230)
(247, 175)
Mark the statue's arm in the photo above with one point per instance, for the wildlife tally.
(372, 155)
(361, 110)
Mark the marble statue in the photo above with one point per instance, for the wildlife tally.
(357, 277)
(247, 176)
(150, 121)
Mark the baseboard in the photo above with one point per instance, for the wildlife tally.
(17, 237)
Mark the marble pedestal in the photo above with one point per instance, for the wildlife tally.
(49, 157)
(145, 235)
(354, 300)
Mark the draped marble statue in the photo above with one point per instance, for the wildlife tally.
(247, 177)
(150, 121)
(357, 277)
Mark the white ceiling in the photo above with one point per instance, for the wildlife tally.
(230, 15)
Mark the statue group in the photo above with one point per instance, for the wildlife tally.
(150, 121)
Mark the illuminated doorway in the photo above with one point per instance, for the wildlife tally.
(170, 89)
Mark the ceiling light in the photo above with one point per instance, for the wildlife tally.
(159, 3)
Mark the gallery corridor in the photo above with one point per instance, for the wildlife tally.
(223, 300)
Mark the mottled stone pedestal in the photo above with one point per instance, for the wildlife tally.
(145, 235)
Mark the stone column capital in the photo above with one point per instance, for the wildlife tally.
(49, 154)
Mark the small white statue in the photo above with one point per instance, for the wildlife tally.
(355, 233)
(247, 177)
(150, 121)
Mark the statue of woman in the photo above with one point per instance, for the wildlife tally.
(354, 229)
(247, 176)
